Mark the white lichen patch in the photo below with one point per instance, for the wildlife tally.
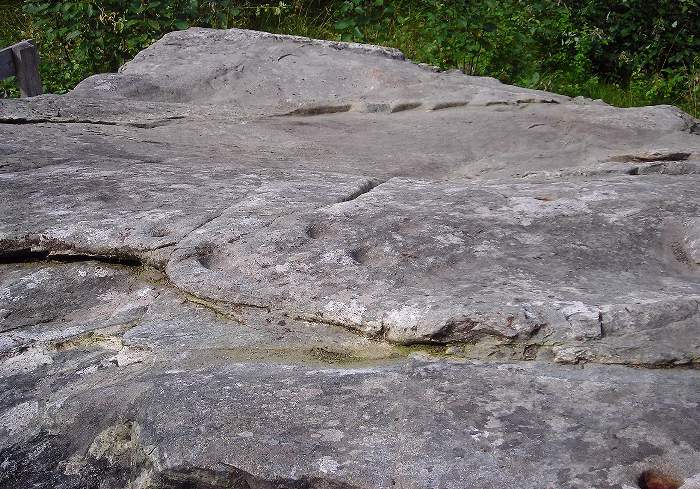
(584, 320)
(26, 361)
(528, 208)
(20, 417)
(338, 257)
(347, 312)
(327, 465)
(127, 356)
(406, 317)
(102, 272)
(331, 435)
(449, 239)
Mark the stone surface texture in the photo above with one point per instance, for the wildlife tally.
(258, 261)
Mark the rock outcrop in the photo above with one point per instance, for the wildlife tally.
(258, 261)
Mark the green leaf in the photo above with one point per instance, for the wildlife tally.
(344, 24)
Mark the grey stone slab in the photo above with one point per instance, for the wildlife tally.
(415, 261)
(182, 396)
(257, 261)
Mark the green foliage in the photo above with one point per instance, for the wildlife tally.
(78, 38)
(363, 19)
(12, 26)
(650, 51)
(447, 34)
(628, 52)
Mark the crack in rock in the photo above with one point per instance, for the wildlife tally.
(33, 255)
(60, 120)
(365, 188)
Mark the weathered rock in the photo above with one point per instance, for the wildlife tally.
(167, 392)
(423, 261)
(251, 260)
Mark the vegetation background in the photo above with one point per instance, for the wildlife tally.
(627, 52)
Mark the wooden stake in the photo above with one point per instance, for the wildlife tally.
(26, 59)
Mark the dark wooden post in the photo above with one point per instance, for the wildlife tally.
(27, 68)
(22, 61)
(7, 63)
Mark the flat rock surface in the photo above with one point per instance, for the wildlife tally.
(256, 261)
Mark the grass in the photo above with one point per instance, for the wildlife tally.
(629, 97)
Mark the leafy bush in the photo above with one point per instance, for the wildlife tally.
(650, 51)
(13, 24)
(78, 38)
(628, 52)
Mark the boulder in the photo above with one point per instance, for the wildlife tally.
(259, 261)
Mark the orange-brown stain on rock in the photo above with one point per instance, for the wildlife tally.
(651, 479)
